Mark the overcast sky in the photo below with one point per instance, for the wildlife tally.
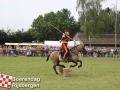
(18, 14)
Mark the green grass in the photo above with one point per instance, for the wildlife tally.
(95, 74)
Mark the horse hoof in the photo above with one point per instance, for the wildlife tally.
(79, 66)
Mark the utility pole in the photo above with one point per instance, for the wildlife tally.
(116, 24)
(89, 41)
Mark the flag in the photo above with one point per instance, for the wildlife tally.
(5, 81)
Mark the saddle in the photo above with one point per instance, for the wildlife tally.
(62, 52)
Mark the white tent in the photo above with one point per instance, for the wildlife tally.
(57, 43)
(24, 44)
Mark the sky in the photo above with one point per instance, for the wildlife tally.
(19, 14)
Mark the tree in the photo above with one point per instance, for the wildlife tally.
(41, 29)
(3, 36)
(62, 20)
(118, 24)
(90, 14)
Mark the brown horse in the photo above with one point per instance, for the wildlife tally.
(73, 57)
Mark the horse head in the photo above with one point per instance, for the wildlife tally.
(81, 48)
(84, 51)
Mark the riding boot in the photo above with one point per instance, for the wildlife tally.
(65, 60)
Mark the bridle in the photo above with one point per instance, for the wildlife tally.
(74, 48)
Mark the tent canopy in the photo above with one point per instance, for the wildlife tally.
(24, 44)
(57, 43)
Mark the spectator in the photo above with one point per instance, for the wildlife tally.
(21, 52)
(98, 49)
(1, 50)
(108, 51)
(88, 51)
(46, 50)
(28, 51)
(104, 52)
(116, 52)
(43, 52)
(4, 50)
(33, 51)
(112, 52)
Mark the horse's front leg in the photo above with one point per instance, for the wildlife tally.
(74, 65)
(62, 66)
(80, 63)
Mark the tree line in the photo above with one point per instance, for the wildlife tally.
(41, 30)
(93, 21)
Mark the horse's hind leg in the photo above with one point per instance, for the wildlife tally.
(61, 68)
(57, 64)
(54, 67)
(74, 65)
(80, 63)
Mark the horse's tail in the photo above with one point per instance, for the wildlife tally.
(48, 57)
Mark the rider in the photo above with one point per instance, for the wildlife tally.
(64, 39)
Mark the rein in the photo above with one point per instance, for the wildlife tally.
(74, 48)
(74, 53)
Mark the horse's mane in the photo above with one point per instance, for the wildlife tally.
(74, 47)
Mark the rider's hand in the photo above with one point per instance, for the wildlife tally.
(60, 41)
(63, 34)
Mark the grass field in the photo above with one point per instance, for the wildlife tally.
(95, 74)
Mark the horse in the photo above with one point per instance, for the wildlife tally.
(73, 57)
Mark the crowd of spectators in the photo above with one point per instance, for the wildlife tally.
(102, 51)
(26, 50)
(45, 50)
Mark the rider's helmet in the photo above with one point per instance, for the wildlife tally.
(66, 32)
